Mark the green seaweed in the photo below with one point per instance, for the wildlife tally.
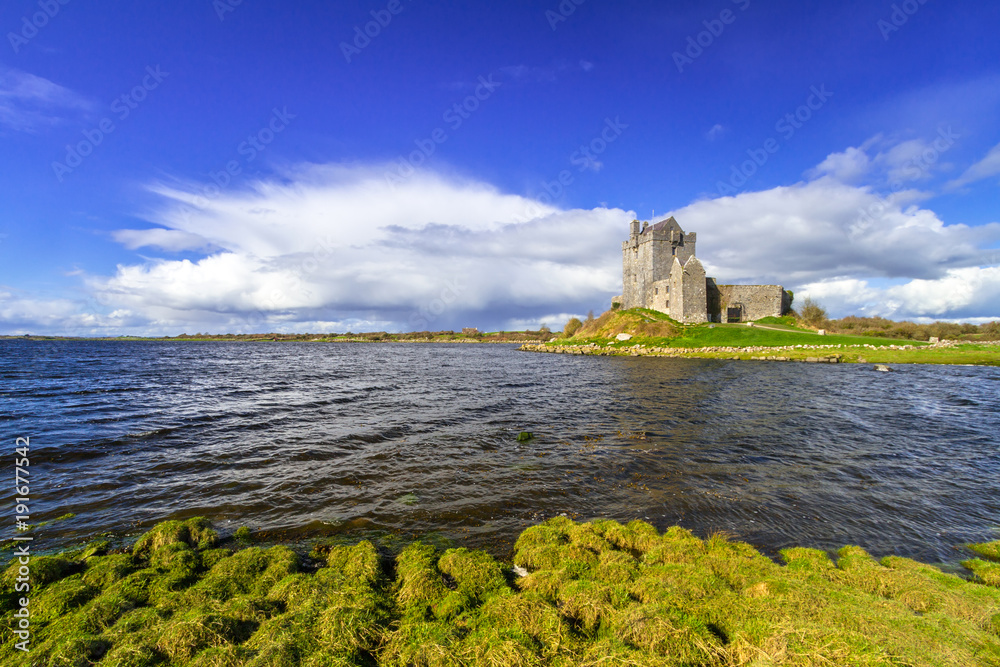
(596, 593)
(196, 532)
(988, 550)
(985, 571)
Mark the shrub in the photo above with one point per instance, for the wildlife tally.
(572, 327)
(812, 313)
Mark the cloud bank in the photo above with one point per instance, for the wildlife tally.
(336, 247)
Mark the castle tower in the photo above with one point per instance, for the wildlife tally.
(661, 272)
(647, 259)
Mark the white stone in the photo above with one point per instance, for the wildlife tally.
(623, 337)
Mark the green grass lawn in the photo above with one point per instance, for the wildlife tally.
(737, 335)
(740, 335)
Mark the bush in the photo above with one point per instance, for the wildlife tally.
(812, 313)
(572, 327)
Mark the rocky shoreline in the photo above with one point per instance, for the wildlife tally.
(756, 353)
(831, 354)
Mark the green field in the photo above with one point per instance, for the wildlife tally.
(598, 593)
(740, 335)
(654, 334)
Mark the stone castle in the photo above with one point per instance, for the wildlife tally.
(660, 272)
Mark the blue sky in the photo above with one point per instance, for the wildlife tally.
(263, 166)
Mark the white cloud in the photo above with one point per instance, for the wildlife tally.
(846, 167)
(325, 243)
(29, 102)
(165, 239)
(886, 162)
(971, 294)
(715, 132)
(21, 314)
(824, 229)
(988, 167)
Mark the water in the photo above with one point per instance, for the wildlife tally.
(307, 439)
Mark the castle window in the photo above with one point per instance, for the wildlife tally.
(673, 250)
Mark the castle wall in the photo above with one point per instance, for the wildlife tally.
(661, 296)
(757, 301)
(713, 300)
(685, 246)
(694, 308)
(676, 285)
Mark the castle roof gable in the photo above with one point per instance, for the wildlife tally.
(665, 226)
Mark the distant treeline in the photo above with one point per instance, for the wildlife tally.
(813, 315)
(382, 336)
(879, 326)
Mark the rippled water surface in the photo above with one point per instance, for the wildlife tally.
(306, 439)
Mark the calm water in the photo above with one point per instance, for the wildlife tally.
(303, 439)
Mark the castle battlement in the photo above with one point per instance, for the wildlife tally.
(661, 272)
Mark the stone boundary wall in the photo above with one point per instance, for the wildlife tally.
(758, 301)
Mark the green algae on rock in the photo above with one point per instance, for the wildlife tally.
(595, 593)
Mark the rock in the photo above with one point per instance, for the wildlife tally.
(882, 368)
(822, 332)
(623, 337)
(520, 571)
(934, 340)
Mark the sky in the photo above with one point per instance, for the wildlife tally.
(237, 166)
